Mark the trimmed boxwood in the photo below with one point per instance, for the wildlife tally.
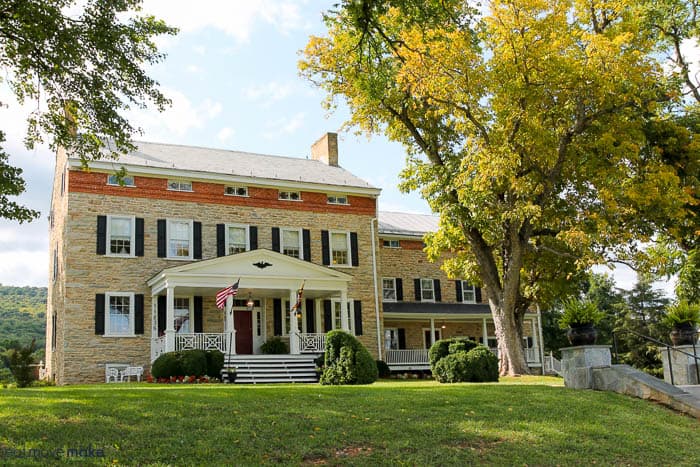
(444, 347)
(188, 363)
(193, 362)
(167, 365)
(274, 346)
(476, 366)
(215, 362)
(347, 361)
(383, 369)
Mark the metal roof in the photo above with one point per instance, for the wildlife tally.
(237, 163)
(402, 223)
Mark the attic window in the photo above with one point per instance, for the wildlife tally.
(236, 190)
(391, 244)
(338, 199)
(179, 185)
(127, 180)
(290, 195)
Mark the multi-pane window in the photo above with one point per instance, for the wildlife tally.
(291, 242)
(55, 263)
(337, 199)
(337, 316)
(299, 316)
(427, 290)
(127, 180)
(391, 244)
(236, 190)
(182, 315)
(290, 195)
(119, 318)
(236, 239)
(340, 248)
(179, 239)
(468, 292)
(389, 289)
(120, 235)
(179, 185)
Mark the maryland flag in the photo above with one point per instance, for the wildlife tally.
(300, 296)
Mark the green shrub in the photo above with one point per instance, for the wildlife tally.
(167, 365)
(20, 362)
(441, 348)
(383, 369)
(579, 312)
(477, 365)
(682, 313)
(347, 361)
(215, 362)
(274, 346)
(193, 362)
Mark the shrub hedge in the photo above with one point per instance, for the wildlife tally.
(441, 348)
(347, 361)
(477, 365)
(274, 346)
(383, 369)
(188, 363)
(215, 362)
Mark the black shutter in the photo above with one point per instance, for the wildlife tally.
(220, 240)
(277, 316)
(253, 237)
(458, 287)
(101, 235)
(327, 316)
(399, 289)
(198, 315)
(276, 239)
(100, 314)
(438, 293)
(325, 248)
(416, 288)
(354, 254)
(357, 308)
(306, 239)
(161, 238)
(310, 316)
(197, 233)
(139, 236)
(138, 313)
(162, 313)
(402, 338)
(477, 293)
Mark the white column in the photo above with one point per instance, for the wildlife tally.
(230, 327)
(432, 332)
(344, 324)
(485, 333)
(170, 319)
(535, 342)
(293, 324)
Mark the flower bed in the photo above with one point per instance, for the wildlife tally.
(182, 380)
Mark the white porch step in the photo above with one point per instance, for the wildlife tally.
(263, 369)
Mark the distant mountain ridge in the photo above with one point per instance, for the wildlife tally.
(23, 314)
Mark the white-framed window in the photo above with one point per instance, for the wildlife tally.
(121, 236)
(391, 244)
(290, 195)
(338, 199)
(427, 290)
(237, 238)
(468, 292)
(337, 315)
(291, 242)
(179, 185)
(391, 338)
(340, 248)
(127, 180)
(183, 315)
(55, 264)
(179, 241)
(389, 289)
(236, 190)
(300, 317)
(119, 319)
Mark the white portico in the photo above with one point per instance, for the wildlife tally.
(265, 277)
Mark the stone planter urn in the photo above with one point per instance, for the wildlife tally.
(683, 334)
(582, 334)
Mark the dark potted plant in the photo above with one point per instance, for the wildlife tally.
(579, 318)
(683, 317)
(230, 374)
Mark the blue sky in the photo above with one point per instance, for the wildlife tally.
(232, 75)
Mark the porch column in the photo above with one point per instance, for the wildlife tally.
(432, 332)
(535, 341)
(344, 324)
(229, 326)
(170, 319)
(485, 333)
(293, 324)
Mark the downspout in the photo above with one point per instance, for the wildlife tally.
(539, 329)
(376, 293)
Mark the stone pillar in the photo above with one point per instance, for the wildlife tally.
(683, 365)
(578, 362)
(170, 319)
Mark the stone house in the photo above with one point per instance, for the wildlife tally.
(136, 263)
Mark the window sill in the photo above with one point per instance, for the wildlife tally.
(237, 196)
(121, 186)
(341, 266)
(179, 258)
(291, 200)
(182, 191)
(122, 335)
(110, 255)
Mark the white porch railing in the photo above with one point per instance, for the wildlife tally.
(407, 357)
(202, 341)
(551, 364)
(157, 347)
(312, 343)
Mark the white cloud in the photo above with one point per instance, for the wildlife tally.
(225, 134)
(268, 93)
(235, 18)
(193, 69)
(284, 126)
(22, 267)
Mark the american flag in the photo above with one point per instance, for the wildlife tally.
(223, 294)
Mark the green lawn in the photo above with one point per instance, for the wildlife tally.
(532, 421)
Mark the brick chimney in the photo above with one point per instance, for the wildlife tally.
(326, 149)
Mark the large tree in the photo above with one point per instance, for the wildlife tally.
(85, 58)
(523, 123)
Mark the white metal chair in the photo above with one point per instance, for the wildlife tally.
(130, 371)
(111, 374)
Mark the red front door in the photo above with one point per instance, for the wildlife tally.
(243, 322)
